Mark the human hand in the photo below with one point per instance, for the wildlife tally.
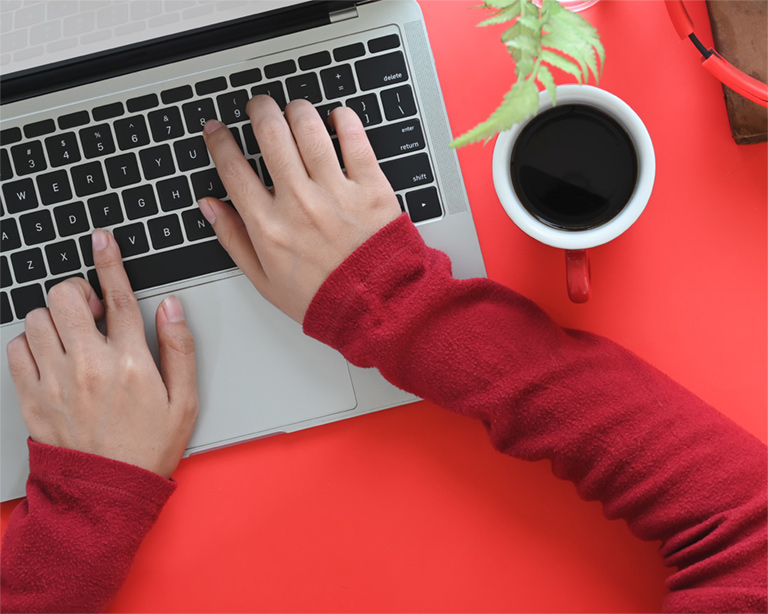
(82, 390)
(287, 242)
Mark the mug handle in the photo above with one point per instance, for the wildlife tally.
(577, 273)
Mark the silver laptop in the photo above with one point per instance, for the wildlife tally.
(102, 110)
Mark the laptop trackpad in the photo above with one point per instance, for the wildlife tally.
(257, 371)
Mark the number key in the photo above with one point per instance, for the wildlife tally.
(28, 158)
(97, 141)
(197, 113)
(232, 106)
(166, 124)
(62, 149)
(6, 172)
(131, 132)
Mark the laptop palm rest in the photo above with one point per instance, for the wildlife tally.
(241, 338)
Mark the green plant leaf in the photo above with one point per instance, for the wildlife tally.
(550, 35)
(564, 64)
(547, 80)
(520, 103)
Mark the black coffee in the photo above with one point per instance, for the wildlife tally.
(574, 167)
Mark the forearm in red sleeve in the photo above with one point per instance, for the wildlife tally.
(676, 469)
(70, 544)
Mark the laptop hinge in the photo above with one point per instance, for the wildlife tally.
(349, 12)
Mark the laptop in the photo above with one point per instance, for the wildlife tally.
(100, 126)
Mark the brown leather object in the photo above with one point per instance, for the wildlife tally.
(740, 32)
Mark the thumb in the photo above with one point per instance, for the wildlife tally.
(177, 356)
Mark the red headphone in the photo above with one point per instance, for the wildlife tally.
(747, 86)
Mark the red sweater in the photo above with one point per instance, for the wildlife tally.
(674, 468)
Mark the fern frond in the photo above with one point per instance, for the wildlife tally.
(520, 103)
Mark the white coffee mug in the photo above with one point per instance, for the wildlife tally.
(576, 242)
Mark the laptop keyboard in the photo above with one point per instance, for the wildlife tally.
(137, 166)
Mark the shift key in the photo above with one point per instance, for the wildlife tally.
(408, 171)
(381, 70)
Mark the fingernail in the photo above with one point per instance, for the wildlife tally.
(211, 125)
(99, 240)
(206, 210)
(173, 310)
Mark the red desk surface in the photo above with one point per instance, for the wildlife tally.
(410, 509)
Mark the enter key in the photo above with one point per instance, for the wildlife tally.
(396, 139)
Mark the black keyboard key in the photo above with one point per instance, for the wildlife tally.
(304, 86)
(211, 86)
(28, 265)
(37, 227)
(315, 60)
(105, 210)
(177, 265)
(32, 131)
(232, 106)
(274, 89)
(71, 219)
(280, 69)
(10, 135)
(10, 238)
(6, 314)
(266, 177)
(196, 226)
(132, 239)
(5, 273)
(54, 187)
(20, 196)
(86, 249)
(338, 81)
(245, 77)
(395, 139)
(139, 202)
(325, 112)
(166, 124)
(174, 193)
(26, 299)
(62, 149)
(367, 109)
(348, 52)
(6, 171)
(97, 141)
(423, 204)
(197, 113)
(165, 231)
(236, 135)
(73, 120)
(28, 158)
(88, 179)
(50, 283)
(142, 103)
(157, 162)
(251, 144)
(408, 172)
(62, 257)
(176, 94)
(191, 153)
(398, 102)
(208, 183)
(123, 170)
(383, 43)
(131, 132)
(108, 111)
(381, 70)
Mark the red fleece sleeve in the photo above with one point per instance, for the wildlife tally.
(70, 544)
(654, 454)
